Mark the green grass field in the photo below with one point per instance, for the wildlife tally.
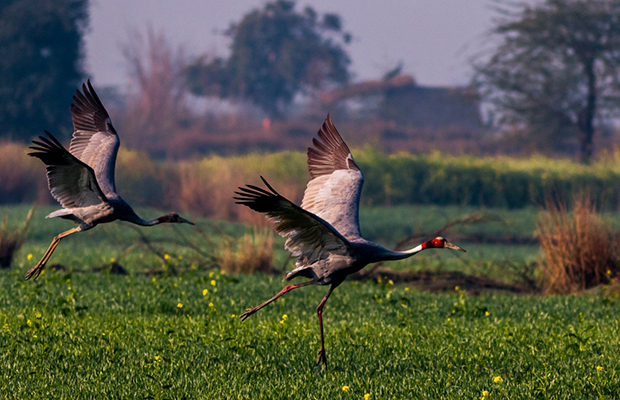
(75, 333)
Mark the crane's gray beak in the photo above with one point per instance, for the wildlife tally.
(184, 221)
(449, 245)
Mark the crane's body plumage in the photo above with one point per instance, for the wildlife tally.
(324, 233)
(81, 179)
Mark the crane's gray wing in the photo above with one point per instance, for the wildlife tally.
(71, 182)
(333, 192)
(307, 236)
(95, 141)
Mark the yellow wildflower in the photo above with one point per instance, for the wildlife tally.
(210, 304)
(112, 259)
(486, 314)
(180, 305)
(205, 292)
(213, 282)
(407, 289)
(154, 280)
(367, 396)
(485, 394)
(378, 281)
(345, 388)
(282, 322)
(599, 368)
(498, 379)
(390, 282)
(608, 272)
(211, 274)
(29, 257)
(284, 317)
(37, 315)
(457, 288)
(449, 319)
(180, 257)
(29, 322)
(157, 359)
(166, 256)
(233, 316)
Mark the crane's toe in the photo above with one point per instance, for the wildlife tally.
(322, 358)
(247, 313)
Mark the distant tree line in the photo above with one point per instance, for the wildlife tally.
(553, 75)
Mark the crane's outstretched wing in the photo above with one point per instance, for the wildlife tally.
(308, 237)
(334, 191)
(72, 183)
(95, 141)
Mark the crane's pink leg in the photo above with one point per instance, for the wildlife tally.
(36, 270)
(284, 291)
(319, 311)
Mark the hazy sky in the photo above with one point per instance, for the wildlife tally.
(434, 38)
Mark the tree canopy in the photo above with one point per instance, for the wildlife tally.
(41, 64)
(555, 72)
(276, 53)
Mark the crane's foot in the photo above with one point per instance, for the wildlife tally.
(35, 271)
(248, 312)
(322, 358)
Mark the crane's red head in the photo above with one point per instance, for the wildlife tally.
(174, 218)
(440, 243)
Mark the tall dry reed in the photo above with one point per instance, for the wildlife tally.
(253, 253)
(11, 242)
(580, 249)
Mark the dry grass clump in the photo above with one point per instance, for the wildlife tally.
(11, 242)
(580, 250)
(253, 253)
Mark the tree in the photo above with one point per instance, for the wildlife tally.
(555, 71)
(41, 64)
(276, 53)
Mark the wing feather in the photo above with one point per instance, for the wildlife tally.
(334, 191)
(308, 237)
(71, 182)
(95, 141)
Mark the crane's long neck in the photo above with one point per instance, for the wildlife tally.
(390, 255)
(135, 219)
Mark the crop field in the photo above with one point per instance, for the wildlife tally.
(169, 328)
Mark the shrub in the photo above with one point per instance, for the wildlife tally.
(579, 249)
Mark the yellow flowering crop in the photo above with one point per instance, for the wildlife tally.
(29, 257)
(486, 314)
(205, 292)
(284, 317)
(485, 394)
(599, 368)
(211, 274)
(210, 304)
(180, 305)
(498, 379)
(390, 282)
(166, 257)
(367, 396)
(345, 388)
(213, 282)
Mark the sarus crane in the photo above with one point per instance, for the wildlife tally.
(82, 178)
(324, 233)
